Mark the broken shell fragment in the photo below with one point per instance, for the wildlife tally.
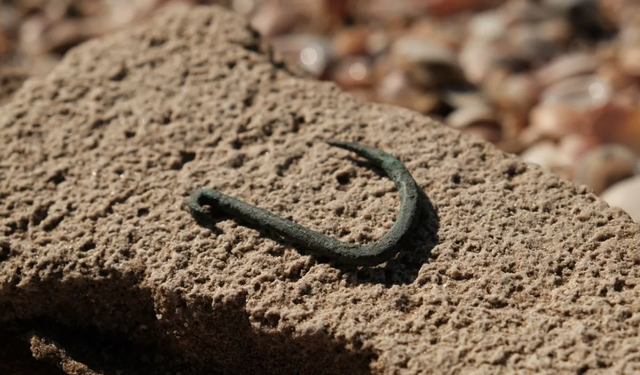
(351, 41)
(466, 116)
(414, 49)
(458, 99)
(554, 120)
(624, 195)
(579, 92)
(310, 52)
(479, 121)
(566, 66)
(271, 20)
(396, 88)
(518, 92)
(629, 60)
(545, 154)
(605, 165)
(352, 72)
(617, 124)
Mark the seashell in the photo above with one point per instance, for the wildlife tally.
(575, 146)
(43, 37)
(613, 76)
(171, 6)
(421, 101)
(624, 195)
(479, 121)
(31, 39)
(517, 93)
(566, 66)
(493, 79)
(617, 124)
(392, 86)
(582, 92)
(352, 72)
(466, 116)
(555, 120)
(311, 52)
(443, 8)
(487, 131)
(458, 99)
(417, 50)
(363, 94)
(531, 12)
(271, 20)
(428, 64)
(488, 25)
(351, 41)
(557, 31)
(388, 10)
(477, 58)
(629, 60)
(513, 124)
(629, 32)
(527, 45)
(545, 154)
(615, 10)
(377, 42)
(439, 32)
(396, 88)
(605, 165)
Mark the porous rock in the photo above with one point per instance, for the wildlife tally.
(511, 269)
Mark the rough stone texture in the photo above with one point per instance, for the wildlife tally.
(10, 80)
(511, 269)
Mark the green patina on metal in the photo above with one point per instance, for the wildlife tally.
(318, 243)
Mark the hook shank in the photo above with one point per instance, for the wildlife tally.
(320, 244)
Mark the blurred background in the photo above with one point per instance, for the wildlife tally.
(555, 81)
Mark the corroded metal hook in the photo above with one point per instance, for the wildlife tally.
(320, 244)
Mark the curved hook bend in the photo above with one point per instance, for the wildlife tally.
(320, 244)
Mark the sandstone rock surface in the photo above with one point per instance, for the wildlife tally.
(102, 270)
